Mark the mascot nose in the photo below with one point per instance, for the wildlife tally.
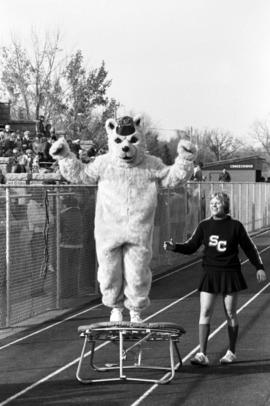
(125, 149)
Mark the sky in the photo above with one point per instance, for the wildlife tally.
(195, 63)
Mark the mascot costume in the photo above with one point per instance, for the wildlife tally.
(128, 179)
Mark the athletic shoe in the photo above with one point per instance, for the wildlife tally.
(135, 317)
(228, 358)
(116, 315)
(200, 359)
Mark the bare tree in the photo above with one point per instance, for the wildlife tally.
(261, 132)
(40, 82)
(86, 92)
(30, 79)
(222, 144)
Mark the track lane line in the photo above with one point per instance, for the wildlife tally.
(100, 304)
(48, 327)
(220, 327)
(153, 387)
(195, 349)
(85, 311)
(58, 371)
(150, 390)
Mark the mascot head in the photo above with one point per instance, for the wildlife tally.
(126, 140)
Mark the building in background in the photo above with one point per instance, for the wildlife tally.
(21, 125)
(249, 169)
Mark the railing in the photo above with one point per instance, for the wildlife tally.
(47, 247)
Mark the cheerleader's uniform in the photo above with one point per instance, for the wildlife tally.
(220, 263)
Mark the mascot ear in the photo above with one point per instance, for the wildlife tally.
(110, 126)
(137, 121)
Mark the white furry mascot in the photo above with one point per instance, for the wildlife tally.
(128, 180)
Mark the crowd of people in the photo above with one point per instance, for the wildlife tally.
(29, 153)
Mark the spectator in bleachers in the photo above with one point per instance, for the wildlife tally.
(18, 161)
(37, 145)
(83, 156)
(26, 142)
(2, 143)
(48, 130)
(7, 130)
(2, 178)
(22, 159)
(9, 144)
(35, 163)
(30, 157)
(46, 145)
(18, 141)
(41, 126)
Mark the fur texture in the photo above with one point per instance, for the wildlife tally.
(128, 180)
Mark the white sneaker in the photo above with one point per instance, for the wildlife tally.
(200, 359)
(116, 315)
(228, 358)
(135, 316)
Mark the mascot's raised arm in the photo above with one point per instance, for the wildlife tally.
(127, 179)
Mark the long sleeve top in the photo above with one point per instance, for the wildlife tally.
(221, 239)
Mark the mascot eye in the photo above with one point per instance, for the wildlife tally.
(118, 140)
(133, 139)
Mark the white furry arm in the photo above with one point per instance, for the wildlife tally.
(182, 168)
(75, 171)
(72, 168)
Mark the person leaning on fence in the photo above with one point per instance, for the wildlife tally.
(36, 217)
(224, 176)
(221, 235)
(71, 244)
(197, 175)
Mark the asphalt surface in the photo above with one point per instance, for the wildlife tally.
(38, 365)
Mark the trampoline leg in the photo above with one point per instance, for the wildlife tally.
(121, 355)
(178, 354)
(81, 361)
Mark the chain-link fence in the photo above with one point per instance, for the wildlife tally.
(47, 245)
(47, 249)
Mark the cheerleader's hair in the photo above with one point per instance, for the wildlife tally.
(224, 199)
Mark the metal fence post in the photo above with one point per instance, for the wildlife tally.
(253, 209)
(58, 287)
(260, 206)
(232, 200)
(7, 257)
(247, 206)
(266, 204)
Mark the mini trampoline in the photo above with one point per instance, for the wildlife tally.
(129, 337)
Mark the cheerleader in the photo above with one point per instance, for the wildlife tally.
(221, 235)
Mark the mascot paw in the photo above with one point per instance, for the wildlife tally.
(187, 150)
(59, 149)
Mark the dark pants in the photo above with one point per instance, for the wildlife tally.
(37, 256)
(70, 260)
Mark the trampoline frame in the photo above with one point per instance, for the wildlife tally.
(126, 332)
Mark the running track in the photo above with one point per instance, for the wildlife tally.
(38, 367)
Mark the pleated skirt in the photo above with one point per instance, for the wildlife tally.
(222, 281)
